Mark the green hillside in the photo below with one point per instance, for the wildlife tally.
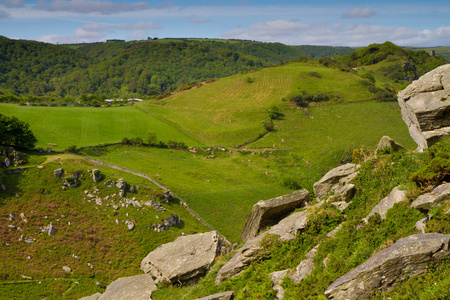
(88, 239)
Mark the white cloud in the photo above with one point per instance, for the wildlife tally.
(198, 20)
(359, 12)
(268, 31)
(4, 14)
(296, 33)
(137, 26)
(13, 3)
(90, 6)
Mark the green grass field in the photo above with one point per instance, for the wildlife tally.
(84, 126)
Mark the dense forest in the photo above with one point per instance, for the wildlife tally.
(324, 51)
(128, 69)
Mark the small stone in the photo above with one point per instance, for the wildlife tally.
(67, 269)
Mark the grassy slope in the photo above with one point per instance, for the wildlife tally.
(83, 126)
(230, 111)
(92, 234)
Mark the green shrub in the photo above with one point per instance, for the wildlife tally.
(291, 183)
(437, 165)
(72, 149)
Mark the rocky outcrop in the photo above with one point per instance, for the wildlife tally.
(183, 260)
(221, 296)
(96, 175)
(425, 107)
(269, 212)
(335, 180)
(431, 200)
(286, 229)
(138, 287)
(387, 142)
(58, 172)
(277, 280)
(395, 196)
(409, 256)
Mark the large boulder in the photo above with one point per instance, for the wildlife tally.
(184, 259)
(395, 196)
(409, 256)
(138, 287)
(425, 106)
(286, 229)
(269, 212)
(220, 296)
(432, 199)
(335, 179)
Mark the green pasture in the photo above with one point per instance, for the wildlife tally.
(230, 111)
(84, 126)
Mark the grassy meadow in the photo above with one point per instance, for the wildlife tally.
(85, 126)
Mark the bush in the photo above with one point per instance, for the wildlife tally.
(72, 149)
(16, 133)
(437, 165)
(291, 183)
(268, 124)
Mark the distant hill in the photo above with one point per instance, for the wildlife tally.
(443, 51)
(127, 69)
(391, 64)
(324, 51)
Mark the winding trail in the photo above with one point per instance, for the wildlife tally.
(145, 176)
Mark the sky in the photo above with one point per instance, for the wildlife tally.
(314, 22)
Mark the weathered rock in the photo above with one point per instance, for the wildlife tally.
(221, 296)
(334, 179)
(67, 269)
(138, 287)
(387, 142)
(58, 172)
(343, 193)
(49, 229)
(277, 280)
(425, 107)
(92, 297)
(121, 184)
(341, 205)
(3, 187)
(96, 175)
(269, 212)
(421, 225)
(395, 196)
(409, 256)
(130, 225)
(287, 230)
(185, 259)
(432, 199)
(303, 270)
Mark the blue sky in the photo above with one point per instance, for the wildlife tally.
(313, 22)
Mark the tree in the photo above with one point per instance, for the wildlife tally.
(151, 138)
(16, 133)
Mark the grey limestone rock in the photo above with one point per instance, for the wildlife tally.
(395, 196)
(432, 199)
(139, 287)
(96, 175)
(286, 229)
(277, 280)
(409, 256)
(335, 179)
(221, 296)
(58, 172)
(269, 212)
(184, 259)
(425, 107)
(387, 142)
